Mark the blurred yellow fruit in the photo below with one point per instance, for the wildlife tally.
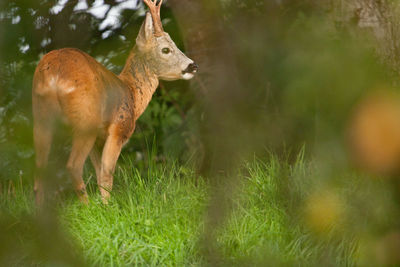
(323, 211)
(375, 133)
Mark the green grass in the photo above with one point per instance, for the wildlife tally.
(157, 218)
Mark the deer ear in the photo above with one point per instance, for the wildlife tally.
(146, 31)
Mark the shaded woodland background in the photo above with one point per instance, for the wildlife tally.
(277, 71)
(275, 77)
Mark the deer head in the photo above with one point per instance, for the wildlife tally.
(157, 47)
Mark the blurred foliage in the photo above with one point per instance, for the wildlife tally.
(275, 76)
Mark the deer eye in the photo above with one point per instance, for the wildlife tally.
(166, 50)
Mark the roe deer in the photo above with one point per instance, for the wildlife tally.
(99, 106)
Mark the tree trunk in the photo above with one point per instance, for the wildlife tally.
(220, 95)
(380, 18)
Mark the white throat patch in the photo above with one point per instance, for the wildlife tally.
(187, 76)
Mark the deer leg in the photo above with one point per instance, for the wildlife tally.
(95, 157)
(81, 147)
(111, 151)
(42, 134)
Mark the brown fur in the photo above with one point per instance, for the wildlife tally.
(100, 107)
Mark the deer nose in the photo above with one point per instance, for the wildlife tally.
(192, 68)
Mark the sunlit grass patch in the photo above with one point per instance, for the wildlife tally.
(157, 217)
(149, 221)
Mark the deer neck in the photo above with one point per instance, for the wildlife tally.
(141, 80)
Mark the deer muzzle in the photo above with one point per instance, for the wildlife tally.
(192, 68)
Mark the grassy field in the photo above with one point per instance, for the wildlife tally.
(157, 218)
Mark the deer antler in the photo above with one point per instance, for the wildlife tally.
(155, 13)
